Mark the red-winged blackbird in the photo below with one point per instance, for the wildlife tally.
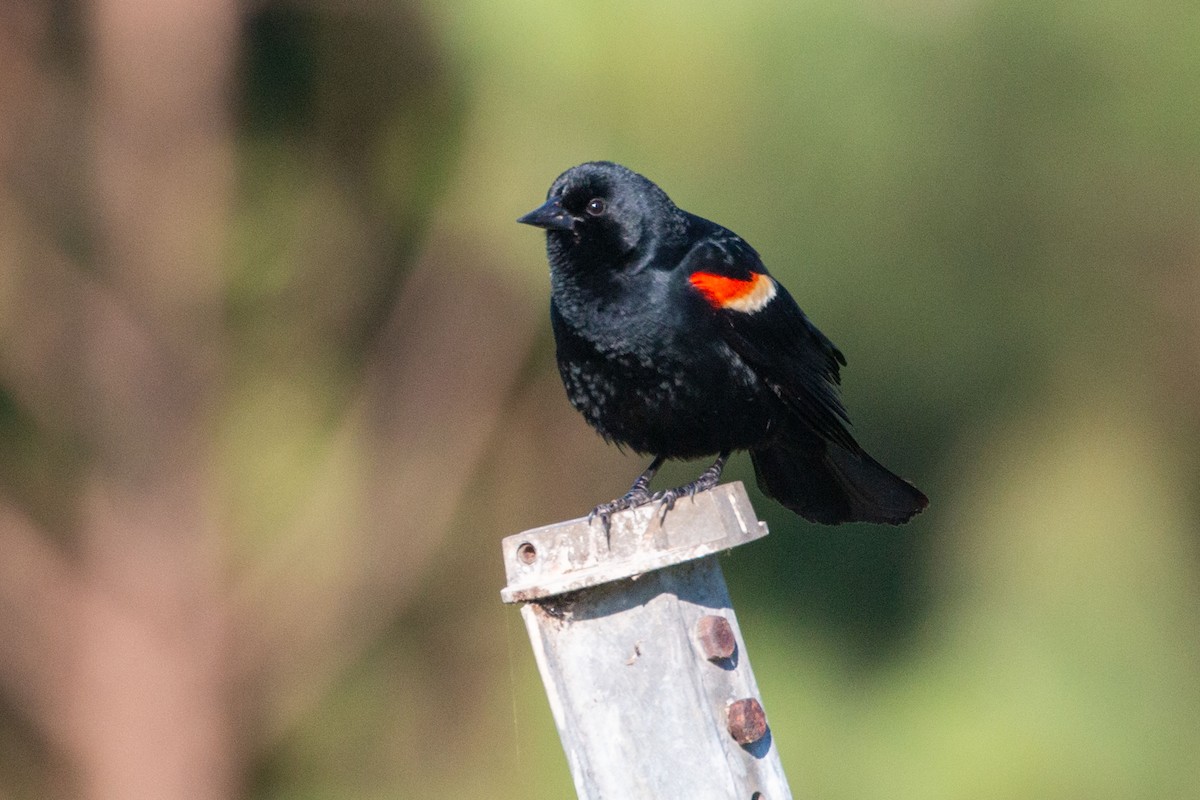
(674, 340)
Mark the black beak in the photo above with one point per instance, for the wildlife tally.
(550, 216)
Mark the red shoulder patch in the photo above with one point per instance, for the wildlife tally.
(746, 296)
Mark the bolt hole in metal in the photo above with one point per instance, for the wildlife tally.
(526, 553)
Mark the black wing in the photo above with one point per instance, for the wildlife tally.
(778, 341)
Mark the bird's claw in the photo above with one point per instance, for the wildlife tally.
(639, 494)
(666, 500)
(631, 499)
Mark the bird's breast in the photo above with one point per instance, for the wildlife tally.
(671, 395)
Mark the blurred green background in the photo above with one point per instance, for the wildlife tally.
(276, 377)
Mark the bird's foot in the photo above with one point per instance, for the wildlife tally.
(707, 480)
(637, 496)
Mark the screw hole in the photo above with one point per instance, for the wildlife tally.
(527, 553)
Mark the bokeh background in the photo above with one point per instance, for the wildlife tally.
(276, 377)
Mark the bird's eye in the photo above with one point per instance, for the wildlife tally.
(595, 207)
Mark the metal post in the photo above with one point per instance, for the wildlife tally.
(641, 655)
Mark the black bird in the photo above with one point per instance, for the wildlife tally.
(674, 340)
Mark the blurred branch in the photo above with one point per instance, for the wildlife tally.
(38, 599)
(131, 631)
(121, 639)
(163, 154)
(429, 404)
(149, 643)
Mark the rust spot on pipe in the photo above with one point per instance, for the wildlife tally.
(747, 721)
(715, 636)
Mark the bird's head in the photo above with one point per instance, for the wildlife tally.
(602, 212)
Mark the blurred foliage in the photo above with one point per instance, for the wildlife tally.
(989, 205)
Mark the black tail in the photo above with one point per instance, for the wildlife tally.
(825, 482)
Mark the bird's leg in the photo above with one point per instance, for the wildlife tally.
(707, 480)
(638, 494)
